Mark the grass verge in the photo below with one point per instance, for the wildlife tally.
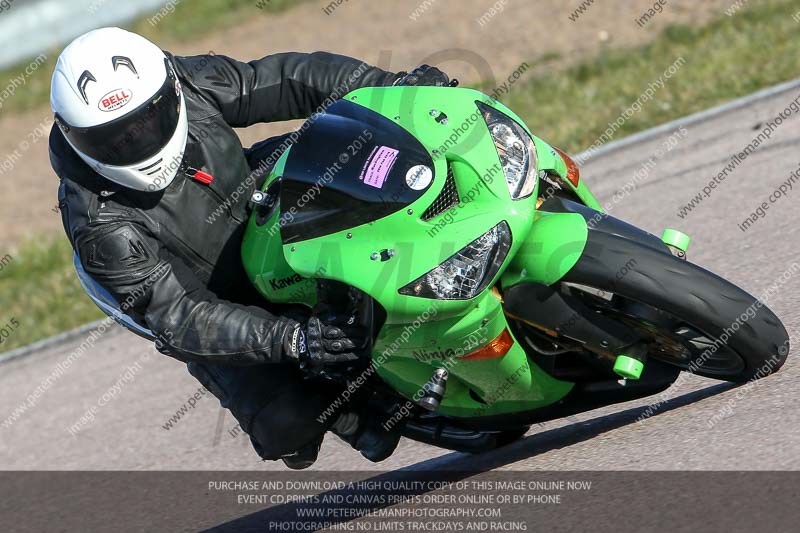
(728, 58)
(725, 59)
(41, 294)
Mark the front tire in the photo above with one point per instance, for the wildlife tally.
(730, 321)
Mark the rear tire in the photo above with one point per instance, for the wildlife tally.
(733, 319)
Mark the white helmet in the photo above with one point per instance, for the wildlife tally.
(118, 101)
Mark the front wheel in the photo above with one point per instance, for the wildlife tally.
(691, 317)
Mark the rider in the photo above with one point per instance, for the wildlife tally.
(154, 194)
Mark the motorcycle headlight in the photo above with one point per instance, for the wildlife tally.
(516, 151)
(466, 274)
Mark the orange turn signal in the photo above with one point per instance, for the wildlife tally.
(573, 173)
(497, 347)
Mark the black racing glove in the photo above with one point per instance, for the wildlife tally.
(324, 341)
(423, 75)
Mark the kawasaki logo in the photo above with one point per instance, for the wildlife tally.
(281, 283)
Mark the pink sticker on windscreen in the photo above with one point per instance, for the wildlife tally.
(378, 165)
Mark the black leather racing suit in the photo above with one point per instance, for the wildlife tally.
(172, 258)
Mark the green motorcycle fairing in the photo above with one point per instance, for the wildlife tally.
(355, 203)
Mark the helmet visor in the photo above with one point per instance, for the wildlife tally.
(135, 136)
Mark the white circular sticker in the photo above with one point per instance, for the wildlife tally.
(418, 177)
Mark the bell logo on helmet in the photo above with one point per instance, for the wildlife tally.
(115, 99)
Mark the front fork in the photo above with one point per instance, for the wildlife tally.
(561, 314)
(554, 245)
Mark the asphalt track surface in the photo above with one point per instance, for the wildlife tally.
(755, 427)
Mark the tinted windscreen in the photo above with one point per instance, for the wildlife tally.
(350, 167)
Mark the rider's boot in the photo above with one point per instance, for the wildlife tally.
(365, 432)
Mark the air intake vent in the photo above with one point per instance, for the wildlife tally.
(152, 169)
(446, 199)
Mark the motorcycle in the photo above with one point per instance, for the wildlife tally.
(498, 291)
